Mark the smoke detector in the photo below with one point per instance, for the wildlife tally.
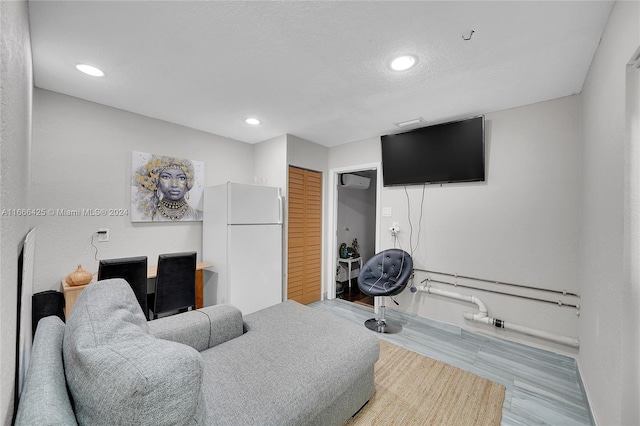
(410, 123)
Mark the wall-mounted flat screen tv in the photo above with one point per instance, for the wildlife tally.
(443, 153)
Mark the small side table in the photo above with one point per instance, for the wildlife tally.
(349, 264)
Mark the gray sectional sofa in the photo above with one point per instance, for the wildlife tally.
(285, 365)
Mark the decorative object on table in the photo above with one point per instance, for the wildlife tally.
(343, 252)
(79, 277)
(355, 246)
(166, 188)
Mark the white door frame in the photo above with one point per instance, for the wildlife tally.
(331, 253)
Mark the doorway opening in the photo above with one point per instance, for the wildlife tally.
(355, 209)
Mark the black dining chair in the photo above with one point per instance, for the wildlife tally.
(385, 274)
(133, 270)
(175, 289)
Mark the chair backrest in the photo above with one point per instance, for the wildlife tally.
(133, 270)
(386, 273)
(175, 282)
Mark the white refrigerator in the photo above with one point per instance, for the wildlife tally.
(242, 239)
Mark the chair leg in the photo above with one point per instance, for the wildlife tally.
(382, 324)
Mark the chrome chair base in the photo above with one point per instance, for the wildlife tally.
(383, 326)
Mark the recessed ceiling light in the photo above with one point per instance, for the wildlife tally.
(402, 63)
(88, 69)
(252, 121)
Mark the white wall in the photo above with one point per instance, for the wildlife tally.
(604, 355)
(631, 331)
(15, 89)
(82, 159)
(520, 226)
(306, 154)
(365, 151)
(631, 343)
(270, 163)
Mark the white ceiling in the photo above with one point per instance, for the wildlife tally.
(314, 69)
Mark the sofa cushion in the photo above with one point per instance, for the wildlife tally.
(292, 365)
(200, 329)
(118, 373)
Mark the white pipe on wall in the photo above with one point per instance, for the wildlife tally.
(483, 317)
(471, 299)
(569, 341)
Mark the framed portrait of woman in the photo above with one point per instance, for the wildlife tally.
(165, 188)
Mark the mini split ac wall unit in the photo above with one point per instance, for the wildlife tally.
(354, 181)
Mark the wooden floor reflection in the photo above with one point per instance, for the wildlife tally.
(352, 293)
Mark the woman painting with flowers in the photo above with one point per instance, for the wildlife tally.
(163, 186)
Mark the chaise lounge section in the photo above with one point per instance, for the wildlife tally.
(285, 365)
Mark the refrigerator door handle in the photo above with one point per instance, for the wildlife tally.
(280, 208)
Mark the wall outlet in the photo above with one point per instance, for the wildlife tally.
(103, 234)
(395, 228)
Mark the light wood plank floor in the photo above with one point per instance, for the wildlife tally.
(543, 388)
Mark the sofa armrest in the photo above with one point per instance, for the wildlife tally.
(202, 328)
(44, 399)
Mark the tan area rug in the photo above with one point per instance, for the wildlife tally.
(412, 389)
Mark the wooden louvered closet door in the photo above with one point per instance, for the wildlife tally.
(304, 237)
